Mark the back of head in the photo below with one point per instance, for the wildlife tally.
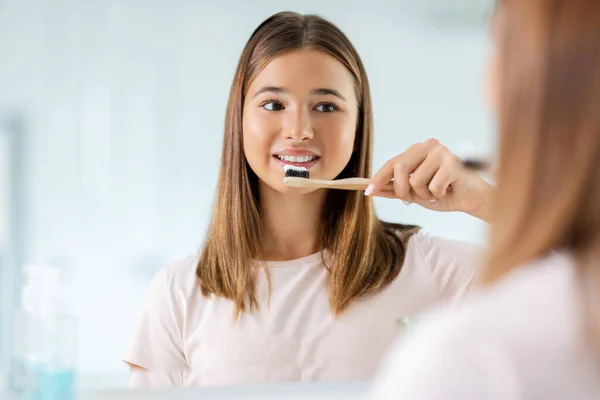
(549, 115)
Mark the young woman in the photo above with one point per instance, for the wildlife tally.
(535, 333)
(299, 284)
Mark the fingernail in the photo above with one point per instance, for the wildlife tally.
(406, 203)
(432, 201)
(369, 190)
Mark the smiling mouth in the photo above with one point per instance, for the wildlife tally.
(305, 161)
(297, 159)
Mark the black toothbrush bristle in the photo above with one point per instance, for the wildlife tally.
(296, 172)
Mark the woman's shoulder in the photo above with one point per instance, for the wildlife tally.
(490, 335)
(453, 264)
(543, 290)
(421, 241)
(437, 248)
(549, 284)
(178, 276)
(158, 338)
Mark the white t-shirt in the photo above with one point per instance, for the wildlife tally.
(184, 338)
(524, 338)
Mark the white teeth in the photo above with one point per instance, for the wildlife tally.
(297, 159)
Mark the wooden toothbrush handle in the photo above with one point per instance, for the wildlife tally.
(355, 184)
(359, 184)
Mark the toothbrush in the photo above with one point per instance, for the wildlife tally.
(299, 177)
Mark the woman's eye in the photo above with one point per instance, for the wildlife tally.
(272, 106)
(326, 107)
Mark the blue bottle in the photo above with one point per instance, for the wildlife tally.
(44, 341)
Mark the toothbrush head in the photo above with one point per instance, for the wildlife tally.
(292, 171)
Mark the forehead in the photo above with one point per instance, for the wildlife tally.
(304, 70)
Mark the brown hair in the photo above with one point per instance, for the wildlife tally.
(367, 254)
(549, 177)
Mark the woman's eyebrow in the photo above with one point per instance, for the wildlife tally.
(272, 89)
(327, 91)
(318, 92)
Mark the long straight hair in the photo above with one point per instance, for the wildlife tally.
(549, 175)
(367, 254)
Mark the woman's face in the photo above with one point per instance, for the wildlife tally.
(300, 110)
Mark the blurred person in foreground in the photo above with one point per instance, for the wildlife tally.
(533, 331)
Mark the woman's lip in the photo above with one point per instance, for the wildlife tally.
(296, 152)
(307, 165)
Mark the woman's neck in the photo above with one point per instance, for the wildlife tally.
(290, 223)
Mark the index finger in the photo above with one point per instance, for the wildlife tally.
(405, 162)
(381, 178)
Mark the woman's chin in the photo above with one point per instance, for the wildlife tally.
(294, 191)
(282, 188)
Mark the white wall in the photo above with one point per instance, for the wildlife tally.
(5, 297)
(126, 102)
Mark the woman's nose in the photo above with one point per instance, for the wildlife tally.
(298, 127)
